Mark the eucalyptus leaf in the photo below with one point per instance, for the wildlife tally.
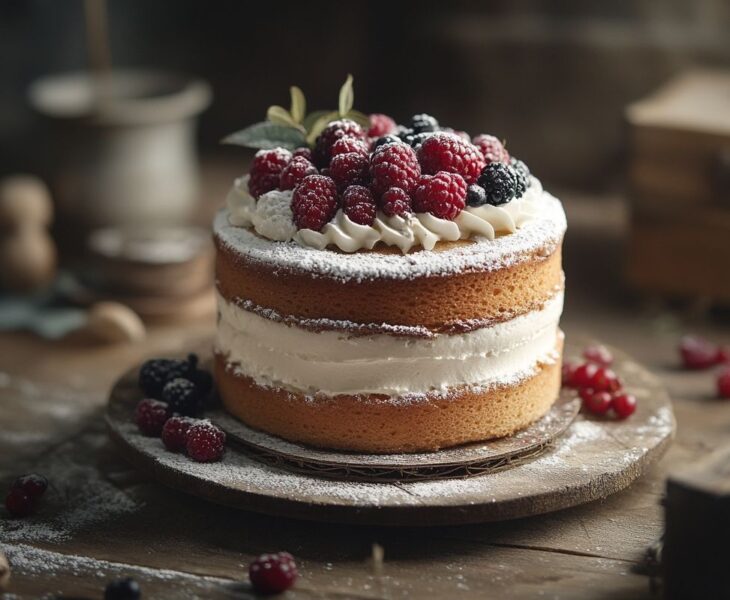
(313, 117)
(280, 116)
(266, 136)
(298, 104)
(347, 97)
(360, 118)
(319, 125)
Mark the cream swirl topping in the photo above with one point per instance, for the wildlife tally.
(420, 229)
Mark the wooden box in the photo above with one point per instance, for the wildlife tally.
(680, 188)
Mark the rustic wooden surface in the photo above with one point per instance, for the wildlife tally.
(115, 521)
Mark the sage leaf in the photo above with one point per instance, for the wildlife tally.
(298, 104)
(319, 125)
(280, 116)
(347, 97)
(360, 118)
(266, 136)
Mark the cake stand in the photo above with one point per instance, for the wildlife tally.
(564, 460)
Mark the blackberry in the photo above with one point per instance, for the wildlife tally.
(203, 380)
(403, 132)
(523, 176)
(155, 373)
(499, 182)
(182, 396)
(416, 139)
(423, 123)
(123, 589)
(475, 195)
(386, 139)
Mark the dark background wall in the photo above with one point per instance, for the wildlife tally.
(550, 77)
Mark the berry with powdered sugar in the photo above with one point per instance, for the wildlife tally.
(499, 182)
(303, 152)
(386, 139)
(346, 145)
(396, 202)
(447, 152)
(182, 396)
(349, 169)
(266, 170)
(205, 442)
(273, 573)
(314, 202)
(359, 205)
(380, 125)
(175, 433)
(334, 131)
(295, 171)
(394, 165)
(491, 148)
(423, 123)
(150, 416)
(155, 373)
(443, 195)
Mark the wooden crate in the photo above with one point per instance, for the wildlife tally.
(680, 190)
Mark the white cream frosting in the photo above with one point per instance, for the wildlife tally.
(420, 229)
(278, 355)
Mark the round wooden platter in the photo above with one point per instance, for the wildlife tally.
(593, 458)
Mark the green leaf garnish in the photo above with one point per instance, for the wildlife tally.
(298, 108)
(360, 118)
(267, 136)
(347, 97)
(318, 126)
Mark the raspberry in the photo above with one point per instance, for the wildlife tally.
(266, 170)
(447, 152)
(723, 355)
(346, 144)
(443, 195)
(697, 353)
(32, 484)
(386, 139)
(380, 125)
(491, 148)
(273, 573)
(150, 416)
(394, 165)
(205, 442)
(524, 181)
(499, 182)
(295, 171)
(19, 503)
(568, 374)
(605, 380)
(155, 373)
(182, 396)
(723, 383)
(595, 402)
(475, 195)
(583, 375)
(624, 405)
(333, 132)
(423, 123)
(175, 433)
(359, 204)
(349, 169)
(599, 355)
(314, 202)
(123, 589)
(396, 201)
(303, 152)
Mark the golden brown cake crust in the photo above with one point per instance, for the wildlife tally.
(352, 423)
(442, 304)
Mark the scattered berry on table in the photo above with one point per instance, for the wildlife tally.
(475, 195)
(359, 204)
(380, 125)
(273, 573)
(697, 353)
(314, 202)
(443, 195)
(605, 380)
(723, 355)
(205, 442)
(175, 433)
(491, 148)
(351, 168)
(723, 383)
(155, 373)
(182, 396)
(266, 170)
(346, 145)
(583, 375)
(150, 416)
(386, 139)
(595, 402)
(447, 152)
(423, 123)
(499, 182)
(568, 374)
(599, 355)
(303, 152)
(295, 171)
(33, 484)
(333, 132)
(394, 165)
(396, 202)
(19, 503)
(123, 589)
(624, 405)
(203, 380)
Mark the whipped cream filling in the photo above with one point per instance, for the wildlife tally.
(420, 229)
(275, 354)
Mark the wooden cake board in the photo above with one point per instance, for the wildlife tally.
(556, 464)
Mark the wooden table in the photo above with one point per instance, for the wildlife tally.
(103, 519)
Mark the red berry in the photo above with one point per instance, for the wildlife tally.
(723, 383)
(595, 402)
(346, 145)
(273, 573)
(266, 170)
(175, 432)
(697, 353)
(19, 503)
(333, 132)
(32, 484)
(380, 125)
(349, 169)
(205, 442)
(396, 201)
(448, 152)
(443, 195)
(568, 374)
(599, 355)
(605, 380)
(624, 405)
(314, 202)
(359, 204)
(295, 171)
(150, 416)
(303, 152)
(723, 355)
(491, 148)
(583, 375)
(394, 165)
